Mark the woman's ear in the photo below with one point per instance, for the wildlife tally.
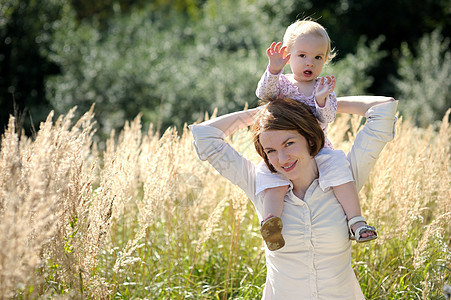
(312, 147)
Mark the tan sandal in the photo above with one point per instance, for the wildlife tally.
(271, 231)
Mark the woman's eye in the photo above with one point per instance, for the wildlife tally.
(289, 144)
(269, 151)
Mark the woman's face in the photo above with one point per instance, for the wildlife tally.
(288, 152)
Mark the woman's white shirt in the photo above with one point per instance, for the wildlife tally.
(315, 262)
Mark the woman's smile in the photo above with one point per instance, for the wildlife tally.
(289, 167)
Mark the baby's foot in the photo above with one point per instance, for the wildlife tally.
(271, 231)
(360, 231)
(364, 233)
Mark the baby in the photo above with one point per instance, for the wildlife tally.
(306, 48)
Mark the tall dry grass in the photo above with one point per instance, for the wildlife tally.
(143, 217)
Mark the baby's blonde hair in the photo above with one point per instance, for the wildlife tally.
(305, 27)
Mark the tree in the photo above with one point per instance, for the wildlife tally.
(399, 21)
(25, 35)
(423, 83)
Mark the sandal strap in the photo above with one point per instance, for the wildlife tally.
(364, 228)
(355, 220)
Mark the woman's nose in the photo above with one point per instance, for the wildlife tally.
(283, 157)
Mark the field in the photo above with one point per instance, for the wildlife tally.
(139, 216)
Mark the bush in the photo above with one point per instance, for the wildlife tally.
(423, 85)
(352, 71)
(173, 70)
(26, 34)
(166, 67)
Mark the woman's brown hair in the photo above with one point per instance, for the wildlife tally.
(287, 114)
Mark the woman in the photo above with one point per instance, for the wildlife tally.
(316, 260)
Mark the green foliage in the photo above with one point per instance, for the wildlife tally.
(173, 70)
(101, 11)
(172, 270)
(112, 70)
(352, 71)
(174, 60)
(397, 20)
(423, 84)
(169, 68)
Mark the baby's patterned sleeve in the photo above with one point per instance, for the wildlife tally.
(327, 113)
(267, 88)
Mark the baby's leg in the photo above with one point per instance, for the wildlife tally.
(271, 227)
(273, 202)
(348, 197)
(334, 172)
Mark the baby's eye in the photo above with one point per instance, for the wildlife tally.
(319, 57)
(302, 55)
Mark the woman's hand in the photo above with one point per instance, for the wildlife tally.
(232, 122)
(278, 57)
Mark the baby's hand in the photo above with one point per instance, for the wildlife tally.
(325, 86)
(278, 57)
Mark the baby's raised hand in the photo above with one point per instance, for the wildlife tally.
(326, 85)
(278, 57)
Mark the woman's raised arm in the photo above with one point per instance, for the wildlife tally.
(234, 121)
(359, 104)
(210, 145)
(369, 142)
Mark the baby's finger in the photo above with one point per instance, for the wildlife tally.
(328, 80)
(284, 51)
(271, 48)
(333, 82)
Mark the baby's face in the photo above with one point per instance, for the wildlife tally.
(308, 56)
